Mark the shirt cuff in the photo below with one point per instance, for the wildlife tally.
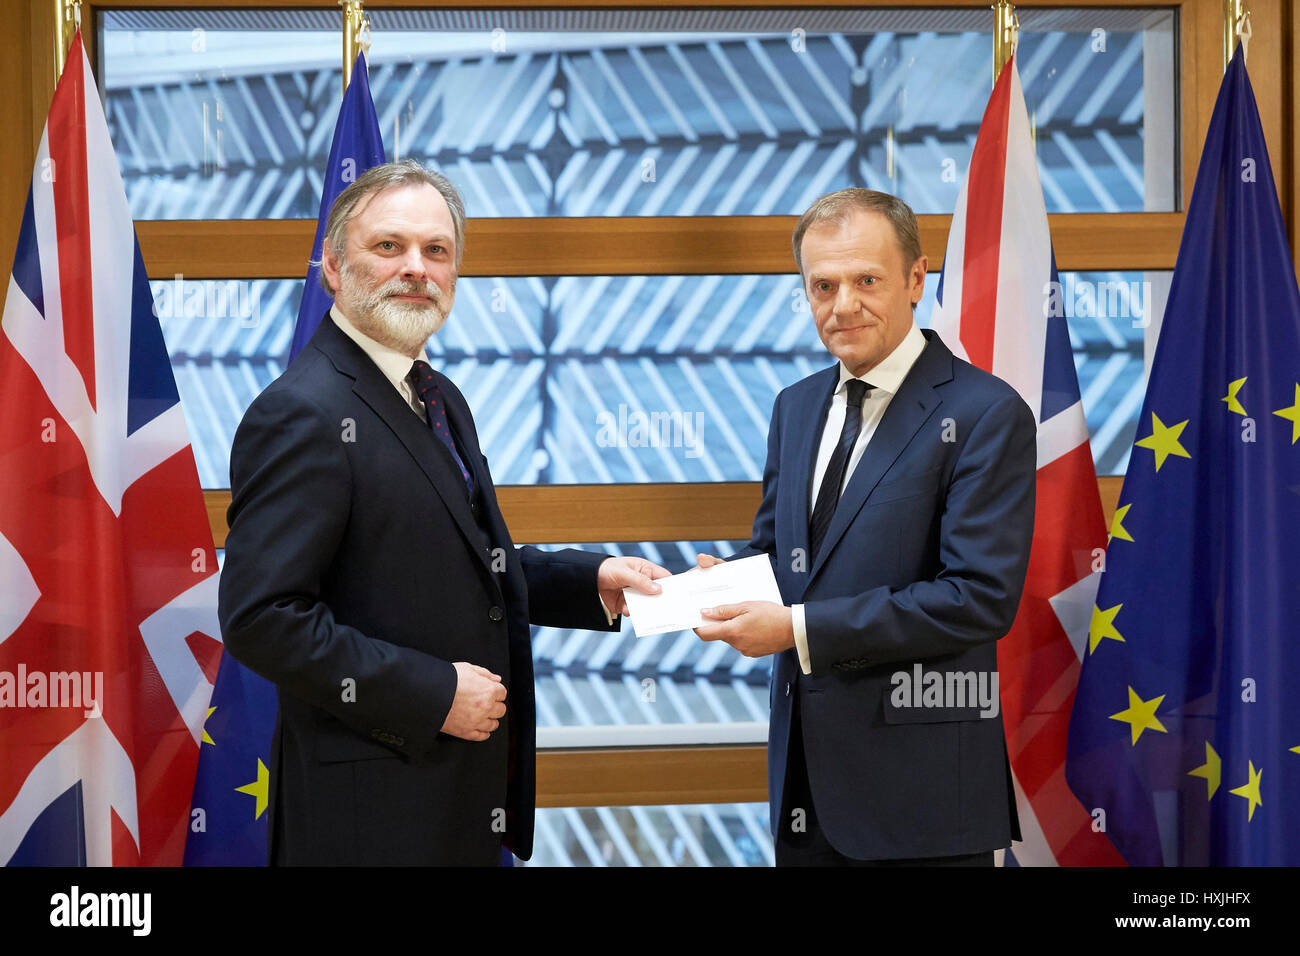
(800, 638)
(609, 618)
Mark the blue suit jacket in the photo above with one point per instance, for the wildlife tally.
(356, 572)
(923, 564)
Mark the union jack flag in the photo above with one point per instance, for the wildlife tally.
(999, 307)
(108, 575)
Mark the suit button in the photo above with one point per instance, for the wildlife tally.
(787, 688)
(474, 508)
(495, 613)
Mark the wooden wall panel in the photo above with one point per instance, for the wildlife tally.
(1266, 61)
(18, 145)
(668, 245)
(574, 514)
(652, 775)
(1291, 69)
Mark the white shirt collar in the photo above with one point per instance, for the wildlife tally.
(887, 377)
(394, 365)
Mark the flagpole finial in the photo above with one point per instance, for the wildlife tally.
(1236, 26)
(67, 21)
(356, 36)
(1006, 33)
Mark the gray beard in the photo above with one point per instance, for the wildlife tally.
(403, 326)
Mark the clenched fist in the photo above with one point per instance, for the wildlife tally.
(479, 704)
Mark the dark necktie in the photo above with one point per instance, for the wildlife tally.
(828, 495)
(421, 379)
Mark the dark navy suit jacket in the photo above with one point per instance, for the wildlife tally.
(924, 563)
(355, 574)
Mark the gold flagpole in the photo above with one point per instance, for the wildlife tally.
(1236, 26)
(1006, 28)
(356, 35)
(67, 18)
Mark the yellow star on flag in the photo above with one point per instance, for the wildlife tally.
(1103, 626)
(259, 788)
(1140, 715)
(1231, 397)
(1163, 440)
(1117, 524)
(1250, 790)
(1296, 749)
(206, 739)
(1211, 770)
(1292, 413)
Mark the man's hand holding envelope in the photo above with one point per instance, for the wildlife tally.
(752, 627)
(741, 596)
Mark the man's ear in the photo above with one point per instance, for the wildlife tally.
(917, 276)
(329, 267)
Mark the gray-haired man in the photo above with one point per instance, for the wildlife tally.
(370, 575)
(898, 509)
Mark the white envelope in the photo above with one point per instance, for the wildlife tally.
(677, 607)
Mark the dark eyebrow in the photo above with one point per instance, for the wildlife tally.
(388, 236)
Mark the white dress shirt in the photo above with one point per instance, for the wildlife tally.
(396, 366)
(886, 379)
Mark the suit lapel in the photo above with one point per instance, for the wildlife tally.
(806, 425)
(908, 410)
(370, 386)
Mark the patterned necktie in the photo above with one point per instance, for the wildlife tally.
(421, 379)
(828, 495)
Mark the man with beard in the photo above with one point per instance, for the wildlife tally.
(370, 575)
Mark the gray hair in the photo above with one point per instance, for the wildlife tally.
(406, 172)
(836, 207)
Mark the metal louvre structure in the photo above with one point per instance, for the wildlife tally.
(755, 125)
(592, 679)
(587, 124)
(690, 835)
(539, 358)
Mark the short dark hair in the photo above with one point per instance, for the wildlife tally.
(405, 172)
(837, 206)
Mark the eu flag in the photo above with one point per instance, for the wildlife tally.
(357, 146)
(228, 817)
(1185, 734)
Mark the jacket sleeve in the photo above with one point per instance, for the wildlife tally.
(985, 529)
(291, 496)
(562, 589)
